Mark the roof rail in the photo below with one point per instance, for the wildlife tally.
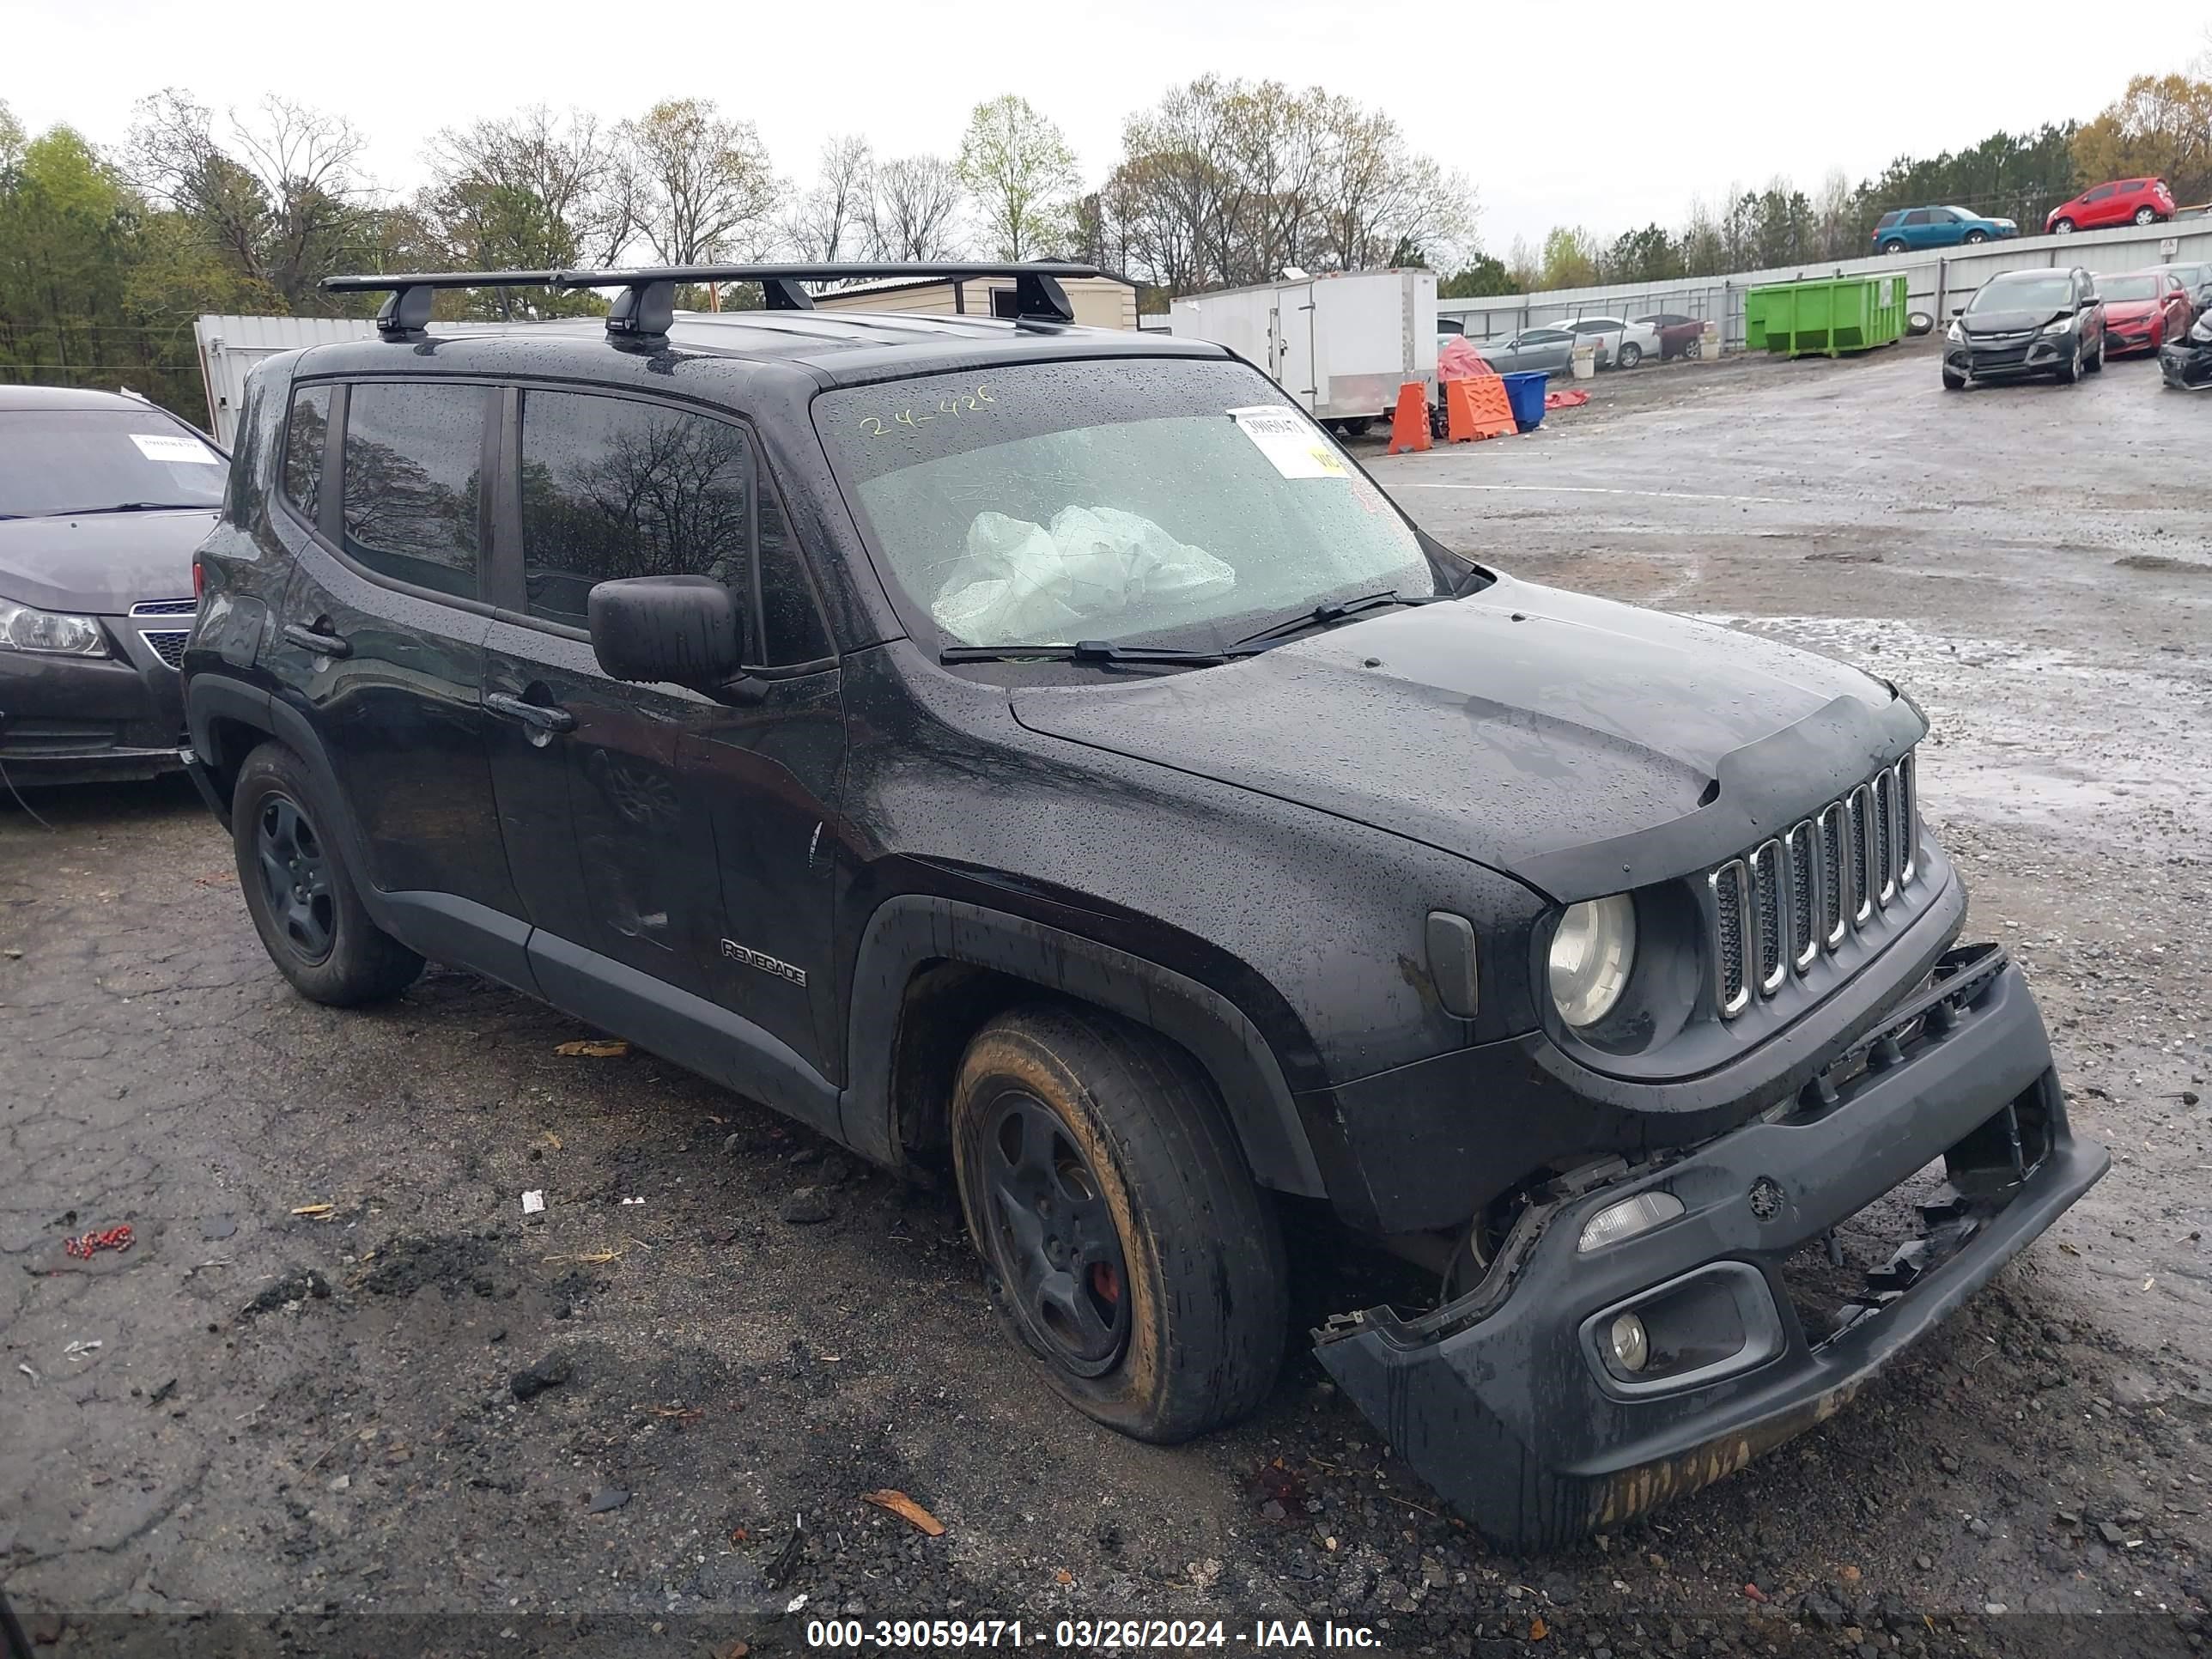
(646, 304)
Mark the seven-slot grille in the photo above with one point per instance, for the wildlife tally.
(1782, 905)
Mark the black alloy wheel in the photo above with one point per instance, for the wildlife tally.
(1051, 1238)
(296, 876)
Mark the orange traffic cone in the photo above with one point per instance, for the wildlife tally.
(1477, 407)
(1409, 425)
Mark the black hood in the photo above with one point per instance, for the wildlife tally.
(102, 563)
(2010, 322)
(1569, 741)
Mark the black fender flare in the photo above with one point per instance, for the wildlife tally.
(911, 929)
(210, 698)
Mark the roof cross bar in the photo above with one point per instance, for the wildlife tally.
(646, 305)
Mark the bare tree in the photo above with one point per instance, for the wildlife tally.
(1225, 182)
(704, 188)
(833, 220)
(282, 198)
(567, 167)
(915, 212)
(1018, 167)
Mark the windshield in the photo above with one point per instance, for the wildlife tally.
(2128, 288)
(1178, 500)
(69, 460)
(2030, 294)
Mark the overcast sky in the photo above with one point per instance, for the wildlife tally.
(1598, 115)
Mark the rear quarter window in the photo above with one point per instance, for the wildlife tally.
(306, 433)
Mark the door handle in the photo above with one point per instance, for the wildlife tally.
(313, 639)
(536, 716)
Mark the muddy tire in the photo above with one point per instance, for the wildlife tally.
(301, 894)
(1127, 1248)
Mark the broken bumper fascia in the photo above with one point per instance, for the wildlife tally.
(2186, 367)
(1503, 1400)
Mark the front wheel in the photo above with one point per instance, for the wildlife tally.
(1953, 382)
(301, 894)
(2146, 215)
(1128, 1249)
(2063, 228)
(2096, 364)
(2072, 370)
(1975, 238)
(1630, 355)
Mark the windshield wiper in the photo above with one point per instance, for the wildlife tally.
(1322, 614)
(131, 506)
(1099, 651)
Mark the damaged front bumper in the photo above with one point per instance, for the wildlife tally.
(2186, 366)
(1510, 1400)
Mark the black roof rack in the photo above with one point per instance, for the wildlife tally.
(648, 302)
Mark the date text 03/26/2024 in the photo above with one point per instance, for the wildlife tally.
(1091, 1635)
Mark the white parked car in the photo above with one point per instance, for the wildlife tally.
(1620, 343)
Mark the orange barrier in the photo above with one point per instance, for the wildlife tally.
(1409, 424)
(1477, 407)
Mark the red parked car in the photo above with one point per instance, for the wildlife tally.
(2121, 202)
(2144, 310)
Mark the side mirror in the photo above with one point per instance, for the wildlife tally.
(2086, 303)
(1958, 310)
(685, 630)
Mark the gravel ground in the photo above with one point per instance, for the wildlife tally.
(342, 1395)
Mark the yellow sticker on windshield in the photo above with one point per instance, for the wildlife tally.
(1292, 446)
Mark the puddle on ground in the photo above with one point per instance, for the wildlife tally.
(2033, 734)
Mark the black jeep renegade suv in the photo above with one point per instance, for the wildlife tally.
(1044, 750)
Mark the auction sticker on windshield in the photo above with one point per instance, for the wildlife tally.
(164, 446)
(1290, 444)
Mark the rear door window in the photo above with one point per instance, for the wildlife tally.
(413, 487)
(1917, 216)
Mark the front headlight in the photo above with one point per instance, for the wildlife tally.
(25, 627)
(2201, 334)
(1592, 952)
(2058, 326)
(1956, 334)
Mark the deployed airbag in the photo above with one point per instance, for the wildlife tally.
(1020, 582)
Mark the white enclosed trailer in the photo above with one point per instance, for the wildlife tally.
(1339, 345)
(229, 347)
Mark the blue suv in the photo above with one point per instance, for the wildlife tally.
(1936, 227)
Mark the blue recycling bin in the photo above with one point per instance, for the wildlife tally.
(1524, 395)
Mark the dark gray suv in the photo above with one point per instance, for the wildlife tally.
(103, 497)
(1042, 754)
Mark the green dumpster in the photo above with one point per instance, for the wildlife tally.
(1827, 315)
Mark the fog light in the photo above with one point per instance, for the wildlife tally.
(1632, 1348)
(1627, 1218)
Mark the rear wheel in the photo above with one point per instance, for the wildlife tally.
(1894, 245)
(2146, 215)
(301, 894)
(1129, 1250)
(1631, 354)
